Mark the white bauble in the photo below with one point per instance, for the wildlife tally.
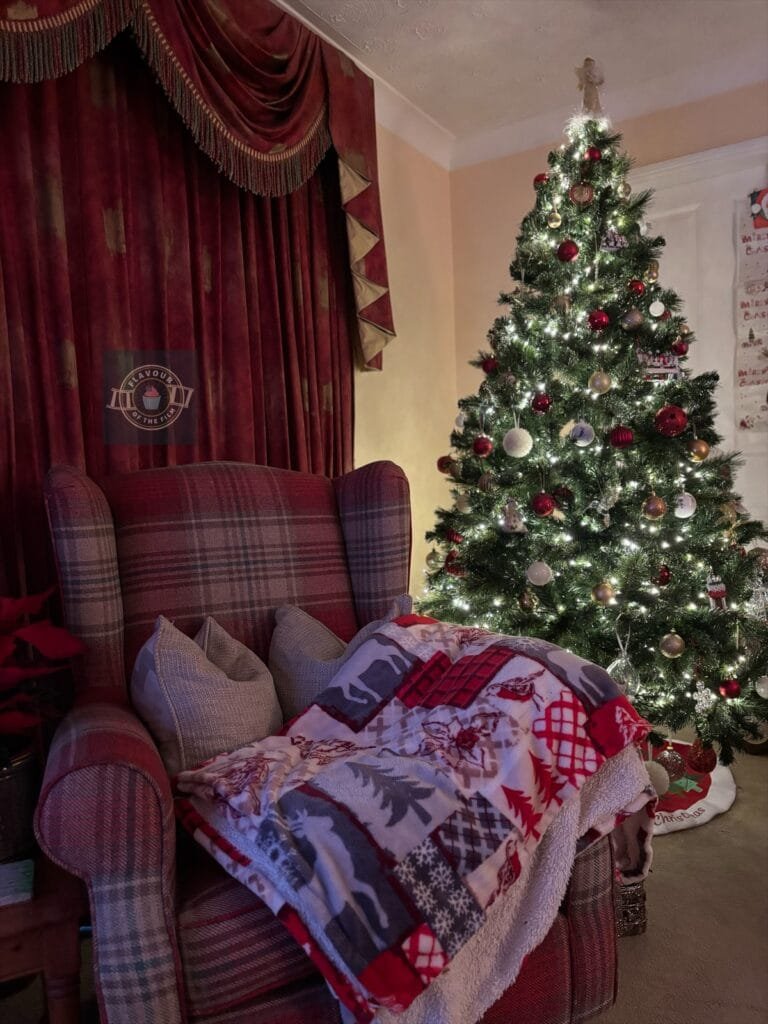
(657, 308)
(539, 574)
(761, 687)
(517, 442)
(659, 777)
(582, 434)
(460, 420)
(462, 503)
(685, 505)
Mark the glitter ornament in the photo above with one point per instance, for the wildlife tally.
(600, 382)
(651, 274)
(663, 576)
(598, 320)
(603, 593)
(541, 402)
(680, 347)
(657, 308)
(489, 365)
(700, 758)
(482, 446)
(512, 520)
(658, 776)
(685, 505)
(703, 699)
(730, 688)
(582, 434)
(554, 220)
(445, 463)
(761, 687)
(624, 190)
(517, 442)
(528, 601)
(632, 320)
(567, 251)
(539, 574)
(486, 482)
(654, 507)
(543, 504)
(434, 560)
(698, 450)
(636, 286)
(625, 675)
(671, 420)
(672, 763)
(540, 179)
(672, 645)
(621, 437)
(452, 564)
(453, 536)
(581, 194)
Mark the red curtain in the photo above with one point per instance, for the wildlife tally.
(121, 245)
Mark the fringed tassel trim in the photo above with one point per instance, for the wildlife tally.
(266, 174)
(33, 49)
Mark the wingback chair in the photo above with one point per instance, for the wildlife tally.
(175, 938)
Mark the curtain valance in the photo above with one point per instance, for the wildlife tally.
(263, 97)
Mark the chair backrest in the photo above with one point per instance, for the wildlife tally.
(230, 540)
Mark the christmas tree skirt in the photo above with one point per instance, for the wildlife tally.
(694, 798)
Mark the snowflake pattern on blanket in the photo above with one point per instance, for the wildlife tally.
(388, 817)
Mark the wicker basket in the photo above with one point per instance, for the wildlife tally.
(18, 795)
(631, 916)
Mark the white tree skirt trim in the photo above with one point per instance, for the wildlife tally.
(699, 809)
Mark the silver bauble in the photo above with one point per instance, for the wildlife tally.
(539, 574)
(685, 505)
(582, 434)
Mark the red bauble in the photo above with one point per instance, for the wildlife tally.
(671, 420)
(636, 287)
(567, 251)
(446, 463)
(541, 179)
(680, 347)
(543, 504)
(594, 154)
(563, 495)
(598, 320)
(490, 365)
(730, 688)
(663, 576)
(700, 758)
(454, 567)
(453, 536)
(541, 402)
(621, 437)
(482, 446)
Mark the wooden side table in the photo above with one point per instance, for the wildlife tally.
(41, 936)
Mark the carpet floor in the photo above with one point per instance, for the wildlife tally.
(704, 957)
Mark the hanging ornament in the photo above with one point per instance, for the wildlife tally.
(463, 503)
(624, 674)
(672, 763)
(482, 446)
(672, 645)
(761, 687)
(637, 287)
(489, 365)
(434, 560)
(581, 193)
(658, 776)
(541, 402)
(654, 507)
(452, 564)
(613, 241)
(603, 593)
(624, 190)
(543, 504)
(460, 420)
(598, 320)
(554, 220)
(717, 593)
(651, 274)
(621, 437)
(453, 536)
(671, 420)
(685, 330)
(685, 505)
(730, 688)
(512, 520)
(446, 463)
(663, 576)
(541, 179)
(704, 700)
(486, 482)
(698, 449)
(517, 442)
(632, 320)
(594, 154)
(680, 347)
(582, 434)
(657, 308)
(528, 601)
(567, 251)
(539, 574)
(600, 382)
(700, 758)
(563, 495)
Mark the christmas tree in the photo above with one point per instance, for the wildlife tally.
(590, 505)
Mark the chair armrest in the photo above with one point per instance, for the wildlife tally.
(106, 814)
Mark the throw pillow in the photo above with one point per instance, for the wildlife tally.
(203, 696)
(304, 655)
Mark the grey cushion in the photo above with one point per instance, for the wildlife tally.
(203, 696)
(305, 655)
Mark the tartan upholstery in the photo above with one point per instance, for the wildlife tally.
(306, 1003)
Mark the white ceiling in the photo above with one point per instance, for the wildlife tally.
(467, 80)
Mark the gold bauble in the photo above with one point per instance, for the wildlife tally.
(624, 190)
(600, 382)
(672, 645)
(632, 319)
(685, 329)
(654, 507)
(581, 193)
(603, 592)
(651, 274)
(528, 601)
(698, 450)
(554, 220)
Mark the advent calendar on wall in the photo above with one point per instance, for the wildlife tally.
(751, 378)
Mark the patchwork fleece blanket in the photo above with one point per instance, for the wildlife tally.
(395, 826)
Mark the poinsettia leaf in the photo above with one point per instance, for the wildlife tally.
(51, 641)
(12, 675)
(13, 609)
(12, 722)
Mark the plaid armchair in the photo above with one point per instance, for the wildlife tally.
(175, 938)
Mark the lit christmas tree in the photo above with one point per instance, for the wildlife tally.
(590, 506)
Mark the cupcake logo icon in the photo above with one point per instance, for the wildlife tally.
(151, 397)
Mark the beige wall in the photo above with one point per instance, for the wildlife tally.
(406, 412)
(489, 200)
